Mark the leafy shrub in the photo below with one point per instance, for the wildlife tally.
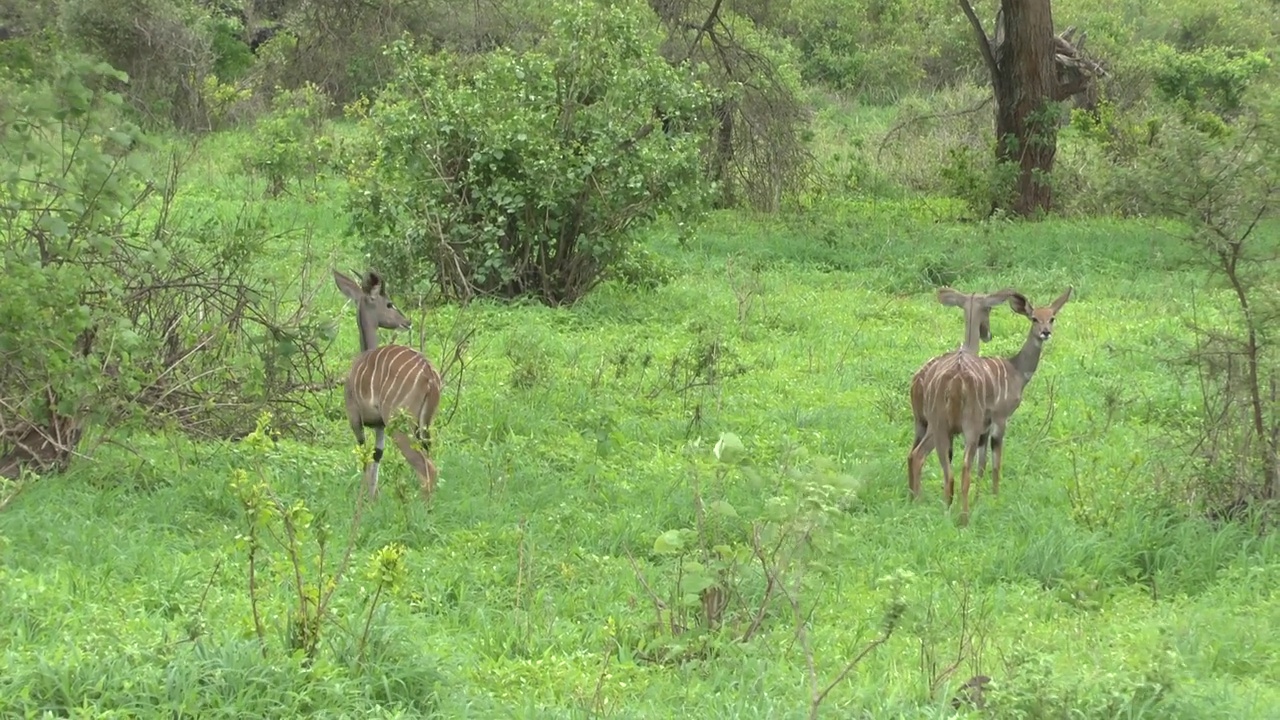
(1222, 183)
(979, 180)
(526, 174)
(160, 45)
(726, 569)
(1120, 135)
(290, 141)
(231, 56)
(914, 150)
(111, 314)
(1211, 79)
(879, 49)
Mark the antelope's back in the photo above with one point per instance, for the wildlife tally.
(988, 381)
(923, 378)
(390, 377)
(951, 386)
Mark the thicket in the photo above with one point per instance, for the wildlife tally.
(122, 307)
(526, 174)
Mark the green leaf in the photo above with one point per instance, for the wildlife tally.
(55, 225)
(722, 507)
(696, 583)
(669, 543)
(729, 450)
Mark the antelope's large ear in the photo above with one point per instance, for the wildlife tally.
(373, 284)
(998, 297)
(349, 287)
(953, 298)
(1062, 300)
(1020, 304)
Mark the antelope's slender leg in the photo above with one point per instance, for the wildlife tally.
(948, 479)
(970, 450)
(419, 461)
(915, 460)
(379, 442)
(983, 442)
(997, 453)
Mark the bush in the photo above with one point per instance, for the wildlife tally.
(162, 46)
(881, 49)
(1210, 79)
(527, 174)
(1224, 184)
(290, 141)
(111, 314)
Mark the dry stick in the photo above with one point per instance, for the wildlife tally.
(253, 590)
(1049, 412)
(604, 670)
(818, 696)
(520, 562)
(346, 557)
(461, 362)
(962, 644)
(848, 668)
(368, 620)
(771, 585)
(657, 601)
(217, 566)
(933, 116)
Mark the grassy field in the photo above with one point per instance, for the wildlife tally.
(580, 437)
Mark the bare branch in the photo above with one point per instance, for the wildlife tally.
(984, 44)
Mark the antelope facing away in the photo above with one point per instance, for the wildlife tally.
(977, 328)
(963, 394)
(384, 380)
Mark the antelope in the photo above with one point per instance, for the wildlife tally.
(977, 328)
(964, 394)
(384, 380)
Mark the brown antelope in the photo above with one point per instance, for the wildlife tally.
(963, 394)
(384, 380)
(977, 328)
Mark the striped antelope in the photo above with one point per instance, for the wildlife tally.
(973, 396)
(384, 380)
(977, 329)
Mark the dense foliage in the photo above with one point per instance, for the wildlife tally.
(527, 174)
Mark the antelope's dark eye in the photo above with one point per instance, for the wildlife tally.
(389, 303)
(1051, 321)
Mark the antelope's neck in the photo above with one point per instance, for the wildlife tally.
(368, 330)
(1028, 358)
(972, 330)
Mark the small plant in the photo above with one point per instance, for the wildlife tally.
(222, 100)
(1122, 138)
(275, 525)
(981, 182)
(747, 287)
(1209, 83)
(716, 563)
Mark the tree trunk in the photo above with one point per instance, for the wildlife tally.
(1025, 81)
(723, 162)
(1024, 66)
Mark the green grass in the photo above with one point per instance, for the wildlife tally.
(123, 584)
